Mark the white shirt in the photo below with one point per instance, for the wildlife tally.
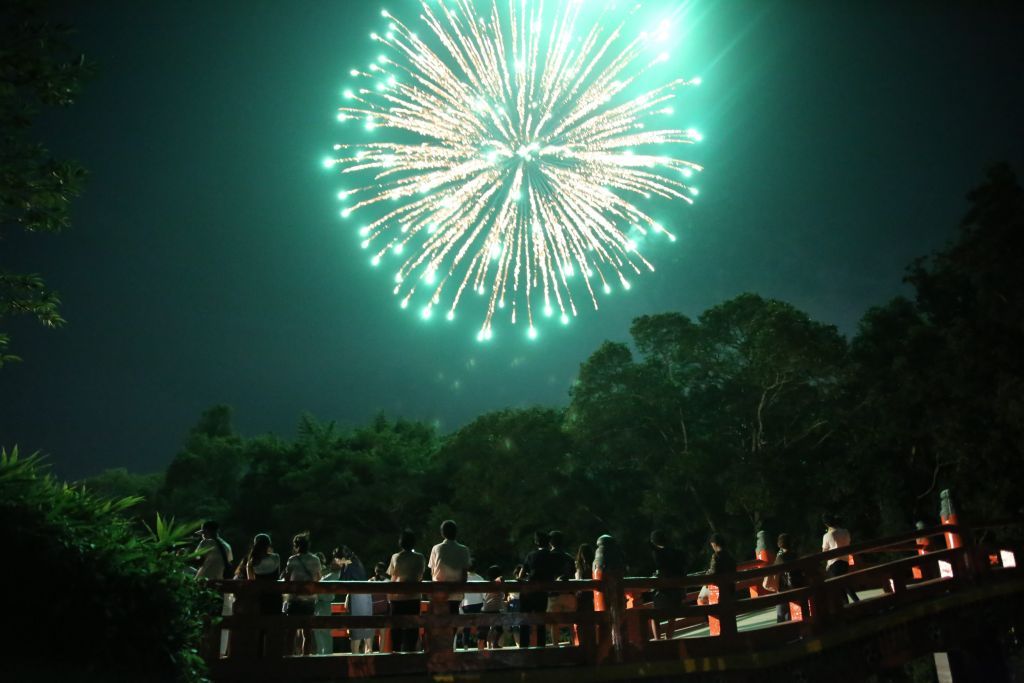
(448, 561)
(213, 562)
(473, 598)
(834, 538)
(304, 567)
(268, 564)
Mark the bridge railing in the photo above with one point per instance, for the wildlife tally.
(257, 643)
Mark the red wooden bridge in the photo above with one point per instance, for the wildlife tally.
(948, 590)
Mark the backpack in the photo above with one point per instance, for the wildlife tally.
(229, 570)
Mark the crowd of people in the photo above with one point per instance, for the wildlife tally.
(451, 561)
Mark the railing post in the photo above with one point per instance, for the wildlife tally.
(609, 599)
(947, 514)
(438, 640)
(820, 605)
(969, 564)
(724, 623)
(245, 640)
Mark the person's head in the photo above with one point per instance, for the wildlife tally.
(380, 569)
(541, 539)
(585, 555)
(300, 542)
(493, 572)
(556, 539)
(605, 541)
(830, 520)
(407, 541)
(659, 539)
(449, 530)
(344, 556)
(717, 542)
(783, 541)
(209, 529)
(261, 546)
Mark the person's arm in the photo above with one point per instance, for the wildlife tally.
(318, 570)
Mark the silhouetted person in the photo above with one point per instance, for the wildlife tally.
(566, 565)
(540, 565)
(836, 537)
(449, 561)
(669, 563)
(216, 553)
(406, 566)
(302, 566)
(788, 580)
(585, 570)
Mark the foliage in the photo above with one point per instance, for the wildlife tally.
(137, 614)
(507, 473)
(716, 418)
(937, 381)
(37, 70)
(751, 416)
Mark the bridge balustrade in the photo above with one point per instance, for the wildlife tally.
(745, 618)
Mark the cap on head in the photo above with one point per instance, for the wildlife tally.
(716, 539)
(209, 527)
(658, 538)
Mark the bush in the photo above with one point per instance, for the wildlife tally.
(88, 597)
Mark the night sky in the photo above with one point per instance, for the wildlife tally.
(207, 262)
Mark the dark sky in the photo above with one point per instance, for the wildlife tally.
(207, 262)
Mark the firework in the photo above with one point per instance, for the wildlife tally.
(519, 142)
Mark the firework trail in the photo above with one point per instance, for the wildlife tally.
(517, 152)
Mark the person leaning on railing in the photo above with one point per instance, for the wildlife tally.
(302, 566)
(406, 566)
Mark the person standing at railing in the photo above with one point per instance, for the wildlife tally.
(492, 604)
(472, 603)
(566, 570)
(324, 641)
(380, 600)
(302, 566)
(407, 566)
(722, 562)
(450, 561)
(836, 537)
(215, 564)
(669, 563)
(540, 565)
(565, 562)
(786, 580)
(585, 570)
(358, 604)
(263, 564)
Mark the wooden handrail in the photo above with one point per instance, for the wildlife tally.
(618, 634)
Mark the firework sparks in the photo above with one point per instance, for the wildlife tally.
(520, 144)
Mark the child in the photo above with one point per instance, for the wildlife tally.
(493, 602)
